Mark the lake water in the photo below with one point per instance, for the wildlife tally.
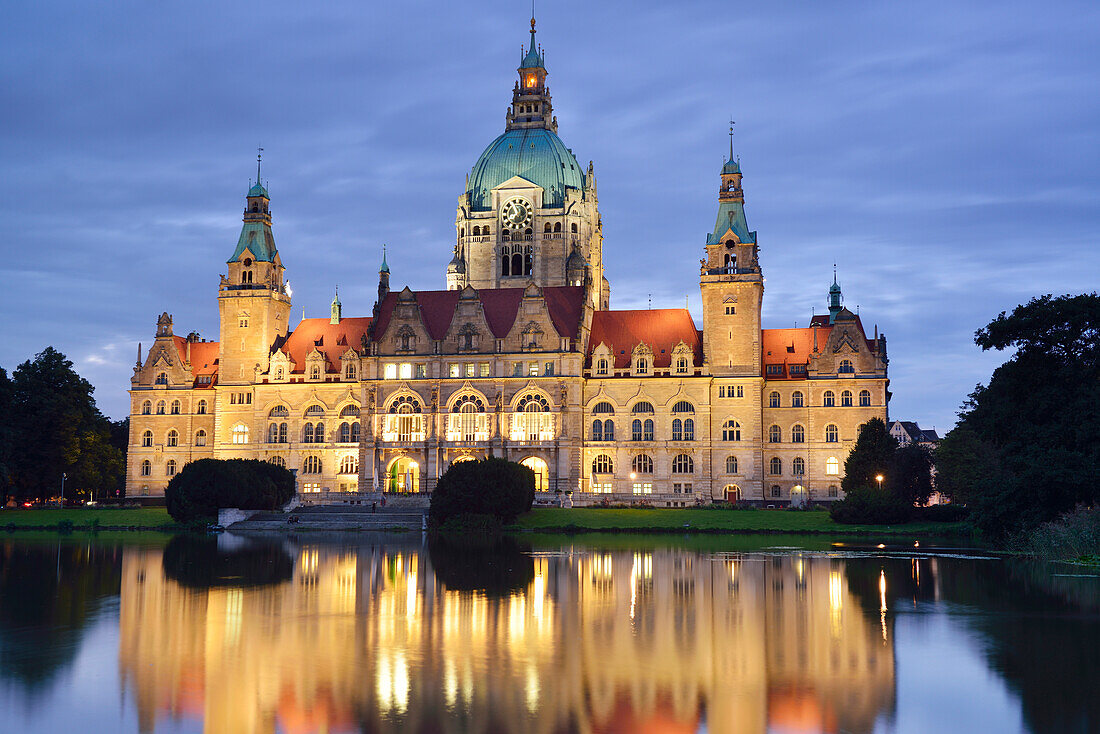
(622, 634)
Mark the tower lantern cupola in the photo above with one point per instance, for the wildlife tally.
(531, 105)
(836, 299)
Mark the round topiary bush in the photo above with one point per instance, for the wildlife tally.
(205, 486)
(492, 486)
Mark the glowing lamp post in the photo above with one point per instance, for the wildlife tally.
(878, 478)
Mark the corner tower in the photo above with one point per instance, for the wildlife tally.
(529, 212)
(253, 301)
(731, 283)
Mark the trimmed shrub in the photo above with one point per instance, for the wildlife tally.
(867, 506)
(205, 486)
(492, 486)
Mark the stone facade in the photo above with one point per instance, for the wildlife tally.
(521, 356)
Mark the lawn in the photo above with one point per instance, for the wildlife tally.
(144, 518)
(714, 520)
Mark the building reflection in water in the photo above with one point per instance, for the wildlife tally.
(368, 638)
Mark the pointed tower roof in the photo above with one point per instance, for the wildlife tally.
(533, 59)
(256, 236)
(385, 267)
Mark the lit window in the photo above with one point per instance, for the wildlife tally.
(389, 372)
(483, 369)
(349, 465)
(832, 466)
(405, 371)
(601, 367)
(240, 434)
(455, 370)
(681, 365)
(349, 371)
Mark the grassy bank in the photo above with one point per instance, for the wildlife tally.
(55, 518)
(715, 521)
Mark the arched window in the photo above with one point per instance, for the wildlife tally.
(147, 439)
(273, 433)
(546, 227)
(175, 407)
(602, 465)
(608, 430)
(201, 410)
(355, 432)
(517, 263)
(773, 400)
(350, 411)
(162, 378)
(677, 430)
(829, 399)
(307, 433)
(160, 407)
(505, 263)
(796, 399)
(731, 431)
(557, 226)
(846, 366)
(311, 465)
(864, 398)
(315, 372)
(636, 430)
(832, 433)
(604, 407)
(477, 231)
(681, 365)
(573, 228)
(683, 464)
(146, 468)
(173, 438)
(775, 466)
(832, 466)
(731, 465)
(349, 465)
(597, 430)
(689, 429)
(798, 434)
(240, 434)
(846, 399)
(280, 411)
(798, 466)
(170, 468)
(642, 464)
(601, 367)
(683, 406)
(200, 437)
(642, 407)
(349, 371)
(278, 461)
(147, 407)
(733, 493)
(775, 434)
(345, 432)
(319, 432)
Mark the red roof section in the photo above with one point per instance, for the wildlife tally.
(204, 358)
(331, 340)
(500, 305)
(791, 346)
(660, 328)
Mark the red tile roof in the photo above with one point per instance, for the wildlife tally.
(660, 328)
(437, 308)
(204, 359)
(331, 340)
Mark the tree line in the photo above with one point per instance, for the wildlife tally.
(1026, 449)
(52, 427)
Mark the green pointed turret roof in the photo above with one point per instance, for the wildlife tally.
(533, 59)
(258, 190)
(385, 267)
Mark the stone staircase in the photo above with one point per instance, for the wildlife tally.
(337, 518)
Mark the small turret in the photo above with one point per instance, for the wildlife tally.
(836, 299)
(383, 277)
(336, 308)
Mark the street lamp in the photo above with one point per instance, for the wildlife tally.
(64, 476)
(878, 478)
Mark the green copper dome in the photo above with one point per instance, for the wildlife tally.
(535, 154)
(258, 190)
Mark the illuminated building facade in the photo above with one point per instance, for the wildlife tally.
(520, 356)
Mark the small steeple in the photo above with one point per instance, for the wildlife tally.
(336, 308)
(836, 298)
(383, 277)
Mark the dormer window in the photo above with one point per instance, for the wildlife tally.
(315, 372)
(681, 366)
(641, 366)
(601, 367)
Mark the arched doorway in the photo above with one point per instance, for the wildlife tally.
(404, 476)
(798, 495)
(541, 470)
(733, 494)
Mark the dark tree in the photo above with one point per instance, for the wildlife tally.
(910, 474)
(872, 455)
(1027, 445)
(7, 437)
(203, 487)
(60, 430)
(492, 486)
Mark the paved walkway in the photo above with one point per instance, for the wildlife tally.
(395, 519)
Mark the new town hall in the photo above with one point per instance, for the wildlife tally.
(521, 357)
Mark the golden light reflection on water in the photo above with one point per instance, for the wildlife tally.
(369, 638)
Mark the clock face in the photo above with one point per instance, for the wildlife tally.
(515, 212)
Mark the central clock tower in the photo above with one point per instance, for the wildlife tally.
(529, 212)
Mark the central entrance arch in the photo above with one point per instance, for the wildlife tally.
(541, 470)
(404, 476)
